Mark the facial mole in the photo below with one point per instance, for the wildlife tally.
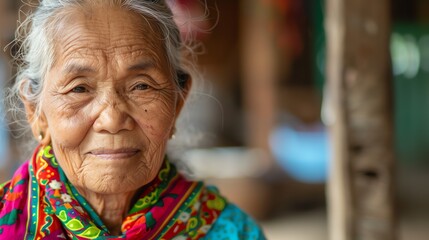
(145, 110)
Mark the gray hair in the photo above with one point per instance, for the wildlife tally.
(35, 54)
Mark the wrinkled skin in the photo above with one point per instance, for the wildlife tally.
(108, 107)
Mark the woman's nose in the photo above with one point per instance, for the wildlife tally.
(113, 118)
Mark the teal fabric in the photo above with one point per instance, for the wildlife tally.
(234, 224)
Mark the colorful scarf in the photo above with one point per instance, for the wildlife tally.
(40, 203)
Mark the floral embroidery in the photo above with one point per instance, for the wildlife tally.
(66, 198)
(54, 184)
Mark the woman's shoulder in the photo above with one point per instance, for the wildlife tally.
(20, 177)
(233, 223)
(13, 204)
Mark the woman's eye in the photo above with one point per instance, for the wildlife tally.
(79, 89)
(141, 86)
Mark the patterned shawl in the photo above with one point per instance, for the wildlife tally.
(40, 203)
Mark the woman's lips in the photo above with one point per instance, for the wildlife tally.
(122, 153)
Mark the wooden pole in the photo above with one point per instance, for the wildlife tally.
(258, 59)
(361, 184)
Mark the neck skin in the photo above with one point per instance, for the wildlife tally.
(112, 208)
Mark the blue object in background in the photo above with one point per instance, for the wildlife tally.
(302, 153)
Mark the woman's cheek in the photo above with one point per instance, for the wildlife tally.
(67, 120)
(157, 121)
(69, 132)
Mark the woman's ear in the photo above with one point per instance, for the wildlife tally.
(38, 123)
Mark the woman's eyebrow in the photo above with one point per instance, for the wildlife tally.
(144, 65)
(75, 68)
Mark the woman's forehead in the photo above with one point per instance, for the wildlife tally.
(108, 33)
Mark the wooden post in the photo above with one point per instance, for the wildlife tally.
(258, 58)
(361, 185)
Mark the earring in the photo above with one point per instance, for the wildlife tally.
(40, 137)
(173, 134)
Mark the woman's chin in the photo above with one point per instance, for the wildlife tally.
(108, 180)
(112, 185)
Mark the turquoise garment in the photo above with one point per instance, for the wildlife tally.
(234, 224)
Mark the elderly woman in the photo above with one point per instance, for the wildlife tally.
(102, 83)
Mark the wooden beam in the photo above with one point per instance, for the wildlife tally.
(361, 184)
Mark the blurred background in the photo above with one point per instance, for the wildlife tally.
(253, 123)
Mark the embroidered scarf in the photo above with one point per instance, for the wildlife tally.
(40, 203)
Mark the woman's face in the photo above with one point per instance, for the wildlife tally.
(109, 103)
